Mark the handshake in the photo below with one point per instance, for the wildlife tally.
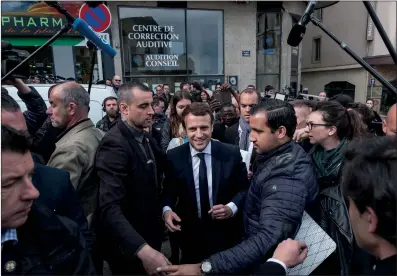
(288, 253)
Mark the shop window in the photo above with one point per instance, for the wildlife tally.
(204, 42)
(268, 50)
(42, 63)
(153, 41)
(388, 98)
(340, 87)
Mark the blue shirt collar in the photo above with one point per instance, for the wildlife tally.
(9, 234)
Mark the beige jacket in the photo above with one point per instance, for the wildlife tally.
(75, 152)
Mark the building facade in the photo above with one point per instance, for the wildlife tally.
(27, 25)
(208, 42)
(326, 67)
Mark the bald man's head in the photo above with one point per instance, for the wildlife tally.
(116, 81)
(390, 124)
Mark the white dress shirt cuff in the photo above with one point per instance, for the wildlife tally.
(232, 206)
(279, 262)
(165, 209)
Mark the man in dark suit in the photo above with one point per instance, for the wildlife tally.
(209, 181)
(129, 166)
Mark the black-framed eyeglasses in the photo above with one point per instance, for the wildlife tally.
(310, 125)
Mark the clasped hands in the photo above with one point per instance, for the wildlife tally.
(218, 212)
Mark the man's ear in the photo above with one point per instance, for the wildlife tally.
(281, 132)
(384, 126)
(372, 219)
(71, 108)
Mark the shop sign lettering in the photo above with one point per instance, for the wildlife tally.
(153, 36)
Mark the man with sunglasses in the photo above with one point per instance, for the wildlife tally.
(116, 83)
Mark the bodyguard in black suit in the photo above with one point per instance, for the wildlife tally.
(129, 166)
(209, 181)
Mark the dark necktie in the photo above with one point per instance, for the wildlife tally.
(203, 186)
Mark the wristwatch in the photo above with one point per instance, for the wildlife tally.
(205, 267)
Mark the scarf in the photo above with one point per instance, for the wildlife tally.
(245, 134)
(327, 161)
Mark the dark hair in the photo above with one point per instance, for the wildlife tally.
(183, 84)
(125, 91)
(175, 120)
(197, 109)
(348, 123)
(3, 90)
(269, 87)
(218, 83)
(226, 105)
(197, 86)
(278, 113)
(369, 99)
(8, 103)
(14, 140)
(101, 82)
(369, 179)
(166, 84)
(251, 86)
(343, 99)
(108, 99)
(157, 100)
(367, 115)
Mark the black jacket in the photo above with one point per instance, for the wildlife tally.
(105, 124)
(271, 269)
(232, 135)
(283, 184)
(48, 244)
(58, 194)
(35, 114)
(331, 212)
(129, 199)
(229, 184)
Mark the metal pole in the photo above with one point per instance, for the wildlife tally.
(64, 29)
(381, 30)
(93, 51)
(343, 45)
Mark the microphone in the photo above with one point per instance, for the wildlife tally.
(298, 30)
(82, 27)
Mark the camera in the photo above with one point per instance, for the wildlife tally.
(10, 58)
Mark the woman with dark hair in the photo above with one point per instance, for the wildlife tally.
(172, 128)
(330, 128)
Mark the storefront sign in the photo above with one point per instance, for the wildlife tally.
(370, 25)
(149, 36)
(29, 18)
(155, 36)
(246, 53)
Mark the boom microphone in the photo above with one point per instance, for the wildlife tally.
(83, 28)
(298, 30)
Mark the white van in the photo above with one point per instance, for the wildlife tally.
(97, 95)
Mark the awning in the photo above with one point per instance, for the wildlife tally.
(39, 41)
(379, 60)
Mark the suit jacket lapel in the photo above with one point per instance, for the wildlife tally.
(189, 175)
(216, 170)
(132, 142)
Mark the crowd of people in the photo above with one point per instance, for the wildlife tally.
(78, 195)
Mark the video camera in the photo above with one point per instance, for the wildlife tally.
(10, 58)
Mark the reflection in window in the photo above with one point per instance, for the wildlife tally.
(268, 50)
(153, 41)
(205, 42)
